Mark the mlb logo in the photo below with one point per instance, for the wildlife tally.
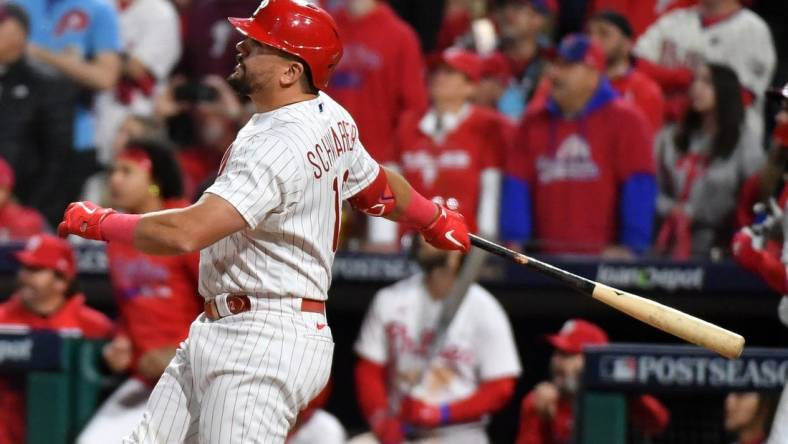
(622, 369)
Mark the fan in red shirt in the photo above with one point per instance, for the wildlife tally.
(456, 149)
(156, 295)
(547, 411)
(46, 300)
(381, 74)
(16, 221)
(613, 33)
(584, 158)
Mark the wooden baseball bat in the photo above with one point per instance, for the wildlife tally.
(667, 319)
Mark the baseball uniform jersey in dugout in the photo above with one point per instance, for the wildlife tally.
(286, 173)
(400, 325)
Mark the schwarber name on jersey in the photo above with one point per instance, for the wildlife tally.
(286, 173)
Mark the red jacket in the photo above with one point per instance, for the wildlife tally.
(452, 167)
(644, 93)
(380, 76)
(576, 166)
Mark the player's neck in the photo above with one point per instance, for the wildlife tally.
(267, 102)
(720, 9)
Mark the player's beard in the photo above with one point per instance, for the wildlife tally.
(239, 81)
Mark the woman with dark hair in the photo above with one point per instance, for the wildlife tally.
(156, 295)
(748, 416)
(702, 162)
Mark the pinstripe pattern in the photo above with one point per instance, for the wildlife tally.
(269, 179)
(244, 378)
(256, 371)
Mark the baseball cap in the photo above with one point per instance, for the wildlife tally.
(496, 66)
(7, 178)
(463, 61)
(615, 19)
(579, 48)
(576, 334)
(15, 12)
(47, 251)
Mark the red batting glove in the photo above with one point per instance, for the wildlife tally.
(83, 219)
(448, 231)
(421, 414)
(388, 430)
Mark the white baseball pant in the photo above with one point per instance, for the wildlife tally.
(240, 379)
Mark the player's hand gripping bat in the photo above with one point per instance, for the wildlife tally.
(669, 320)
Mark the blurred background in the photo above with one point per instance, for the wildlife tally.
(640, 143)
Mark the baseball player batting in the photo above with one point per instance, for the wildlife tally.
(267, 230)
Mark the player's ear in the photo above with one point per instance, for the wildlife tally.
(293, 75)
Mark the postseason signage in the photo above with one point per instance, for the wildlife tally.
(38, 350)
(659, 368)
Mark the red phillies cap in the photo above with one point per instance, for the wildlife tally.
(47, 251)
(576, 334)
(7, 178)
(465, 62)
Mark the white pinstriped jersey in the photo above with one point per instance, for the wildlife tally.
(742, 41)
(286, 173)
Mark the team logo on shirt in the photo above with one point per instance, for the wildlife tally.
(74, 20)
(429, 166)
(572, 161)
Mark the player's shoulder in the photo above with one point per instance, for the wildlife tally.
(750, 20)
(400, 292)
(483, 301)
(678, 15)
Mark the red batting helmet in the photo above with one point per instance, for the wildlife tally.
(297, 28)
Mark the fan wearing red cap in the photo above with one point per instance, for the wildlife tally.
(17, 222)
(268, 229)
(580, 176)
(455, 148)
(547, 411)
(46, 299)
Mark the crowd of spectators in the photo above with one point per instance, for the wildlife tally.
(577, 127)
